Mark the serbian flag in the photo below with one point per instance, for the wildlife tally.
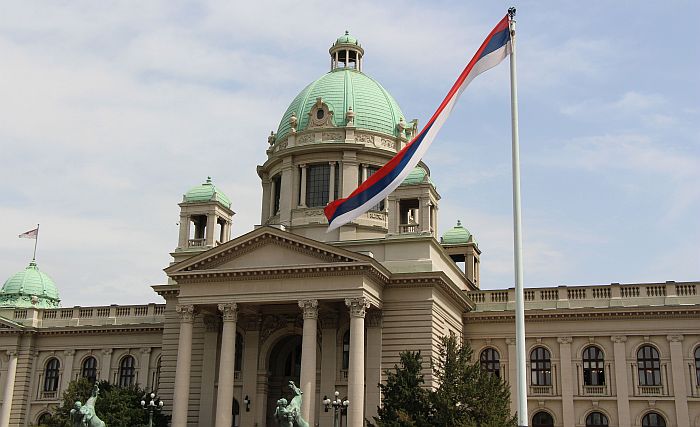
(31, 234)
(492, 51)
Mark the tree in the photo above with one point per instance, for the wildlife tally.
(116, 406)
(467, 395)
(405, 400)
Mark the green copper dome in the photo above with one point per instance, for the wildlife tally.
(417, 176)
(457, 235)
(346, 39)
(29, 288)
(207, 192)
(375, 109)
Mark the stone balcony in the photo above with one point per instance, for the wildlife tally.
(86, 316)
(597, 296)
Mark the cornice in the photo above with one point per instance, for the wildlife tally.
(101, 330)
(569, 314)
(428, 280)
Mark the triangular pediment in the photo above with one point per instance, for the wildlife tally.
(268, 248)
(8, 325)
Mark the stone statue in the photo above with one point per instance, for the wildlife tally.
(289, 415)
(84, 415)
(293, 122)
(272, 138)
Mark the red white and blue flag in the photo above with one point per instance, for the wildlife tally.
(381, 183)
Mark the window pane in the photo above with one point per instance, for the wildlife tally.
(90, 369)
(542, 419)
(648, 366)
(317, 182)
(593, 366)
(540, 367)
(652, 419)
(51, 375)
(596, 419)
(490, 361)
(126, 371)
(379, 206)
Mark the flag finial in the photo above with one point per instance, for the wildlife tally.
(511, 12)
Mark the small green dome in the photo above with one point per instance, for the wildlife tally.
(29, 288)
(375, 109)
(457, 235)
(206, 192)
(346, 39)
(417, 176)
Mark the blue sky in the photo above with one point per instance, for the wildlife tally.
(112, 110)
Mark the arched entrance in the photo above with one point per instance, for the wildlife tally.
(284, 366)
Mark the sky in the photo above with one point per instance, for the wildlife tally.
(111, 110)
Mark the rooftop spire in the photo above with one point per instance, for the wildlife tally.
(346, 52)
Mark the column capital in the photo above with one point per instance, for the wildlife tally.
(302, 165)
(146, 350)
(510, 341)
(333, 163)
(229, 311)
(107, 351)
(618, 339)
(357, 306)
(69, 352)
(309, 307)
(11, 353)
(374, 318)
(564, 340)
(186, 312)
(675, 338)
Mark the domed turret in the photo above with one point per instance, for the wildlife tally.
(461, 246)
(206, 192)
(29, 288)
(458, 235)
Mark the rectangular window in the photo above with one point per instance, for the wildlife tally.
(379, 206)
(277, 186)
(317, 183)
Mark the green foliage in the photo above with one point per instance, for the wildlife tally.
(405, 402)
(116, 406)
(467, 396)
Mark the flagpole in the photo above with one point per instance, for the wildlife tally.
(35, 242)
(521, 366)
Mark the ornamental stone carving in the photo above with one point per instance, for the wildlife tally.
(69, 353)
(564, 340)
(309, 308)
(374, 319)
(107, 351)
(364, 138)
(229, 311)
(618, 339)
(674, 338)
(510, 341)
(272, 138)
(293, 122)
(350, 117)
(186, 312)
(357, 306)
(320, 115)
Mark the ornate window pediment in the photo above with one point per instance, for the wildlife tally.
(320, 115)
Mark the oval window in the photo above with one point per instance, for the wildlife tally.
(320, 113)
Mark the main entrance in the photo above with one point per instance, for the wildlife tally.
(284, 366)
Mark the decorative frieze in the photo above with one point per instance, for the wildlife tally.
(229, 311)
(309, 308)
(186, 312)
(358, 306)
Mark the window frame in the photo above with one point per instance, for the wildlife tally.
(540, 367)
(646, 420)
(52, 374)
(318, 176)
(697, 365)
(604, 422)
(490, 360)
(540, 424)
(85, 370)
(593, 366)
(127, 372)
(648, 366)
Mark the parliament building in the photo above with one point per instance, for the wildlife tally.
(331, 311)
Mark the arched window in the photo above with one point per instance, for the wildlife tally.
(490, 361)
(697, 366)
(596, 419)
(648, 366)
(346, 350)
(239, 353)
(89, 370)
(127, 372)
(43, 419)
(51, 374)
(156, 374)
(652, 419)
(540, 367)
(542, 419)
(593, 366)
(236, 413)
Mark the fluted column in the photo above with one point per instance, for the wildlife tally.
(622, 390)
(227, 360)
(302, 191)
(181, 395)
(678, 375)
(8, 392)
(308, 359)
(567, 386)
(356, 371)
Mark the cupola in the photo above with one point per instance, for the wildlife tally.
(29, 288)
(346, 52)
(461, 246)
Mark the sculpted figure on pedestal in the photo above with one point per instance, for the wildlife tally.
(289, 415)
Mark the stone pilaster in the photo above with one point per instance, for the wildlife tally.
(9, 389)
(227, 362)
(512, 375)
(567, 381)
(308, 359)
(622, 388)
(144, 365)
(678, 375)
(181, 395)
(106, 367)
(68, 357)
(356, 373)
(374, 362)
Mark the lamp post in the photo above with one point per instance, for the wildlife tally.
(338, 406)
(151, 403)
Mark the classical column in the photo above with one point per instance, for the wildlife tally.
(512, 375)
(68, 356)
(567, 386)
(622, 388)
(227, 361)
(331, 182)
(8, 392)
(249, 374)
(181, 395)
(207, 398)
(209, 232)
(329, 371)
(356, 373)
(374, 361)
(145, 363)
(679, 390)
(302, 191)
(106, 368)
(364, 172)
(273, 199)
(308, 359)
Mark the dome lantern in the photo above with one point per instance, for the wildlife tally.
(346, 51)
